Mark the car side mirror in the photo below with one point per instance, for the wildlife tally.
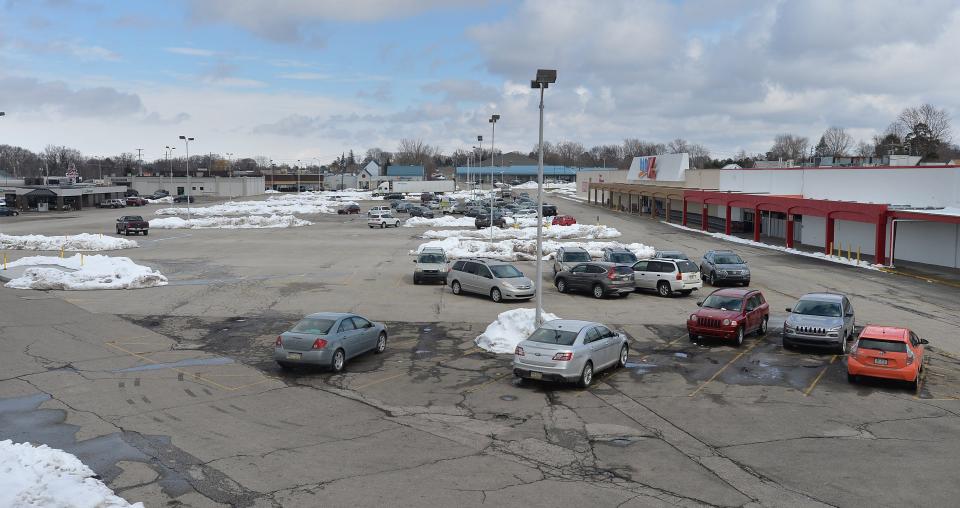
(700, 303)
(924, 341)
(788, 309)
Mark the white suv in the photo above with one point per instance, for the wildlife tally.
(666, 276)
(383, 220)
(378, 210)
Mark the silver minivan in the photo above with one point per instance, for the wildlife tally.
(568, 350)
(496, 279)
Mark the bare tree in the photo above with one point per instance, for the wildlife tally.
(788, 147)
(569, 152)
(416, 151)
(58, 158)
(865, 149)
(835, 142)
(374, 154)
(678, 145)
(699, 155)
(937, 121)
(633, 147)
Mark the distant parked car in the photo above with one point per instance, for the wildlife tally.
(394, 195)
(349, 209)
(619, 255)
(549, 210)
(383, 220)
(421, 211)
(182, 198)
(160, 194)
(563, 220)
(483, 221)
(567, 257)
(378, 210)
(515, 182)
(666, 276)
(136, 201)
(329, 339)
(887, 352)
(431, 266)
(132, 224)
(113, 203)
(820, 320)
(730, 314)
(720, 266)
(597, 278)
(569, 351)
(496, 279)
(8, 212)
(670, 254)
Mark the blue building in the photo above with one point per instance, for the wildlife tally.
(405, 172)
(522, 173)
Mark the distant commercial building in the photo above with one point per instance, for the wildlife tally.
(57, 193)
(522, 173)
(214, 186)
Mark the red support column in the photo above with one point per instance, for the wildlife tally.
(757, 219)
(789, 230)
(727, 228)
(880, 246)
(704, 217)
(828, 247)
(683, 216)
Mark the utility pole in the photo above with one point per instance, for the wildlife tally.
(139, 161)
(493, 137)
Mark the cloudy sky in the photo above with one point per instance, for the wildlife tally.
(295, 79)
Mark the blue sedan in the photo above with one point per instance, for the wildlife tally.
(329, 339)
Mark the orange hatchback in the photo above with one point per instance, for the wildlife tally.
(886, 352)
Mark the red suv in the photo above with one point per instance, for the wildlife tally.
(730, 314)
(563, 220)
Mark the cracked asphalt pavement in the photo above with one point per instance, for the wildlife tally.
(171, 396)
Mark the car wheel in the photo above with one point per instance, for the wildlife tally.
(495, 295)
(843, 346)
(692, 336)
(851, 378)
(416, 280)
(455, 287)
(624, 353)
(787, 344)
(285, 366)
(663, 288)
(746, 283)
(145, 233)
(712, 278)
(763, 328)
(586, 377)
(336, 364)
(686, 292)
(739, 336)
(562, 285)
(381, 343)
(383, 225)
(597, 291)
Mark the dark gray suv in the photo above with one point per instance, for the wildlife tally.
(597, 278)
(720, 266)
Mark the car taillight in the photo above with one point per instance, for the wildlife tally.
(611, 273)
(563, 357)
(679, 276)
(319, 344)
(909, 356)
(518, 351)
(279, 342)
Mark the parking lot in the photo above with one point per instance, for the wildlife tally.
(172, 395)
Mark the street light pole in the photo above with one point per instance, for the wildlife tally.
(542, 81)
(493, 137)
(298, 176)
(186, 141)
(480, 162)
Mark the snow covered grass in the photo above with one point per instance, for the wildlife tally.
(80, 242)
(523, 250)
(277, 204)
(585, 231)
(445, 221)
(97, 272)
(248, 222)
(43, 476)
(510, 328)
(817, 255)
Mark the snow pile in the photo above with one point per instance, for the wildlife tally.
(97, 272)
(817, 255)
(510, 328)
(445, 221)
(80, 242)
(248, 222)
(271, 191)
(523, 250)
(530, 233)
(43, 476)
(547, 186)
(168, 199)
(285, 204)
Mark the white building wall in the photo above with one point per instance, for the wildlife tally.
(202, 186)
(928, 242)
(853, 234)
(814, 231)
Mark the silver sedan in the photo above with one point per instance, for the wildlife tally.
(328, 339)
(568, 350)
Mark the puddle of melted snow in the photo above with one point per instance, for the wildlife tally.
(190, 362)
(680, 355)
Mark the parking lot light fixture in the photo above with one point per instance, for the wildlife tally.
(493, 138)
(186, 142)
(541, 82)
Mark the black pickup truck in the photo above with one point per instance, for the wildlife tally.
(132, 224)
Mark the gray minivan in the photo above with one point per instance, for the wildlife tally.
(496, 279)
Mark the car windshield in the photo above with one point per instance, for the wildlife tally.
(315, 326)
(687, 267)
(623, 257)
(890, 346)
(727, 259)
(505, 272)
(815, 308)
(551, 336)
(723, 302)
(576, 257)
(671, 255)
(431, 258)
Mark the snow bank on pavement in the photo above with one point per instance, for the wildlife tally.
(97, 272)
(248, 222)
(80, 242)
(530, 233)
(284, 204)
(510, 328)
(43, 476)
(446, 221)
(817, 255)
(547, 186)
(168, 199)
(523, 250)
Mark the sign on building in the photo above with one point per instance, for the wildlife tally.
(661, 168)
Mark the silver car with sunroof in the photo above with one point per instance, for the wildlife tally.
(328, 339)
(569, 351)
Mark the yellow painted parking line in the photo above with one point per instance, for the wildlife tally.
(179, 371)
(725, 367)
(924, 278)
(399, 280)
(379, 381)
(494, 380)
(806, 393)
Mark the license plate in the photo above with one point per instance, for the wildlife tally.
(880, 361)
(536, 375)
(294, 356)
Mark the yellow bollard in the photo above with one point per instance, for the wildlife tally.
(849, 248)
(61, 252)
(858, 254)
(4, 260)
(830, 250)
(81, 259)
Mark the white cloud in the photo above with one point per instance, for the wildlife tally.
(191, 51)
(305, 76)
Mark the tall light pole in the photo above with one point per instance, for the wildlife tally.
(493, 137)
(170, 150)
(186, 142)
(480, 161)
(298, 176)
(541, 82)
